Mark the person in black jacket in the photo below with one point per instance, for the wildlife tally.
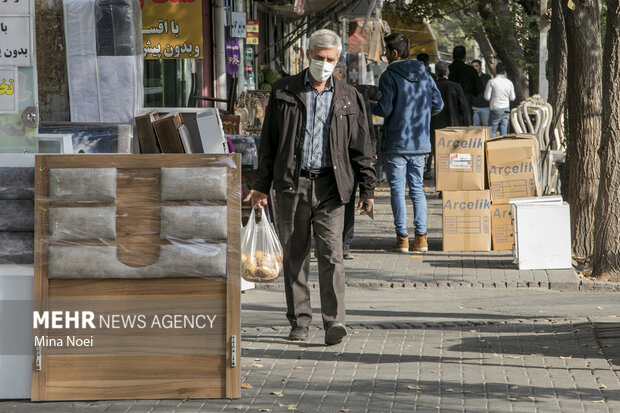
(464, 75)
(314, 143)
(455, 110)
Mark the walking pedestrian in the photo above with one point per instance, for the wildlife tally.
(409, 97)
(479, 104)
(499, 92)
(369, 93)
(464, 74)
(455, 111)
(314, 142)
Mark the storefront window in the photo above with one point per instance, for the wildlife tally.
(172, 82)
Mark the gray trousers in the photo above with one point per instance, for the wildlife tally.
(316, 205)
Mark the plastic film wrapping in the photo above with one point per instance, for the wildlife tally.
(16, 209)
(104, 59)
(139, 217)
(71, 224)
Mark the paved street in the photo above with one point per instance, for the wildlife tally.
(434, 332)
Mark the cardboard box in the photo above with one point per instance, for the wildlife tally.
(466, 220)
(513, 167)
(459, 158)
(502, 232)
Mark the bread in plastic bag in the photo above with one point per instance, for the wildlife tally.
(261, 251)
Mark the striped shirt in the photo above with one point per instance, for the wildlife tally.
(315, 153)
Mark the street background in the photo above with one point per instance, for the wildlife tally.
(434, 332)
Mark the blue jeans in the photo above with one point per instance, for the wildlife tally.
(409, 169)
(481, 116)
(499, 117)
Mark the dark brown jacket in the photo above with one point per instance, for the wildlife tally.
(282, 139)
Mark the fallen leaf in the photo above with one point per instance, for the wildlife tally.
(258, 366)
(512, 399)
(283, 381)
(256, 359)
(450, 390)
(599, 401)
(514, 387)
(264, 410)
(187, 399)
(602, 386)
(298, 367)
(496, 355)
(300, 357)
(277, 393)
(515, 357)
(246, 386)
(571, 4)
(531, 397)
(239, 407)
(545, 348)
(338, 354)
(566, 357)
(288, 406)
(612, 316)
(473, 331)
(599, 308)
(355, 332)
(414, 387)
(345, 410)
(538, 355)
(541, 312)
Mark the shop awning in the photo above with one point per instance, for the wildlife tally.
(421, 37)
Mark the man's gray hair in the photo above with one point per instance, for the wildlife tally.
(325, 38)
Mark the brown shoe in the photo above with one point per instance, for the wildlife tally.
(401, 244)
(420, 243)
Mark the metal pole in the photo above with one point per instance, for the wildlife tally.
(220, 52)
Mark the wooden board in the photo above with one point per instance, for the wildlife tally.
(167, 367)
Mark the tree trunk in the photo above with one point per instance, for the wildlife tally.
(500, 26)
(584, 102)
(487, 51)
(556, 66)
(606, 259)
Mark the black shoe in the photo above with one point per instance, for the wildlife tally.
(334, 332)
(299, 333)
(346, 254)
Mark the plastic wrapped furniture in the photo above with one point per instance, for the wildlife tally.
(146, 248)
(104, 59)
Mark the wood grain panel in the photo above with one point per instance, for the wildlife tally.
(105, 376)
(143, 289)
(150, 377)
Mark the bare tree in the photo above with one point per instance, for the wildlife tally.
(606, 258)
(584, 102)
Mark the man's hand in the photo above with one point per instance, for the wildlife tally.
(259, 200)
(365, 205)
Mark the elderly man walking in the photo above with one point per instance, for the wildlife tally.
(409, 97)
(313, 144)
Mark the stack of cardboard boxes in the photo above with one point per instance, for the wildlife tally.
(513, 168)
(472, 213)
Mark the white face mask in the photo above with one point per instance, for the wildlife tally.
(320, 70)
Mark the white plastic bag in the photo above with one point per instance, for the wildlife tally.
(261, 252)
